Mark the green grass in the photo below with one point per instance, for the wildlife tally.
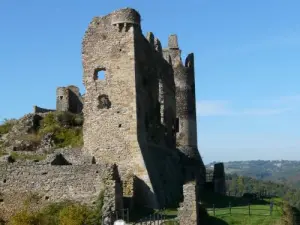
(259, 214)
(259, 210)
(23, 157)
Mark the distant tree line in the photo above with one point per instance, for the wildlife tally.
(242, 184)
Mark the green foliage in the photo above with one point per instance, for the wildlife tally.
(34, 157)
(6, 126)
(65, 127)
(285, 192)
(95, 217)
(281, 171)
(62, 213)
(69, 137)
(24, 217)
(74, 215)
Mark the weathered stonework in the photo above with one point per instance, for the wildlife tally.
(54, 183)
(68, 99)
(188, 213)
(140, 133)
(133, 114)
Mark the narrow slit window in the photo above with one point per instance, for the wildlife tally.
(177, 125)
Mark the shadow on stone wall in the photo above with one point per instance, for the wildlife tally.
(76, 104)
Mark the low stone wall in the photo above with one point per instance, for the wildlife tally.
(188, 213)
(82, 183)
(37, 109)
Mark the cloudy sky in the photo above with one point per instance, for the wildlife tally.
(247, 64)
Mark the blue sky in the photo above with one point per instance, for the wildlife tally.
(247, 64)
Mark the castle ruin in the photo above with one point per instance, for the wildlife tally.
(139, 130)
(68, 99)
(142, 115)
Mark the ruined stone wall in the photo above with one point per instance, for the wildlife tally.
(188, 213)
(186, 122)
(156, 106)
(75, 99)
(37, 109)
(110, 105)
(82, 183)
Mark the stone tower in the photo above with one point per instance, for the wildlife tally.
(110, 104)
(186, 121)
(130, 112)
(69, 99)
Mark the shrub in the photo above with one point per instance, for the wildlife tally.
(74, 215)
(63, 126)
(6, 126)
(23, 217)
(50, 214)
(69, 137)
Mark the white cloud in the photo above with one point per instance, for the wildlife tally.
(213, 108)
(224, 108)
(288, 100)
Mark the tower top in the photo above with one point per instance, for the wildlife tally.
(173, 42)
(126, 15)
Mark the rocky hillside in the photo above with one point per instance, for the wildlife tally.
(34, 136)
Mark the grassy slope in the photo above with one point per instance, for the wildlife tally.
(259, 210)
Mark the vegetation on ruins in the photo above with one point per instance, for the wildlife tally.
(63, 128)
(62, 213)
(66, 128)
(6, 126)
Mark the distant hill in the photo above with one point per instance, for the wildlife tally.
(282, 171)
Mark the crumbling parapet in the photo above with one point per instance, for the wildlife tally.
(188, 213)
(219, 178)
(37, 109)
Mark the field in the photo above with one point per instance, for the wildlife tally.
(226, 210)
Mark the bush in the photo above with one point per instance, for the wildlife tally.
(62, 213)
(6, 126)
(74, 215)
(23, 217)
(50, 214)
(64, 126)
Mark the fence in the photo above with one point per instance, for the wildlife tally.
(262, 210)
(158, 218)
(112, 216)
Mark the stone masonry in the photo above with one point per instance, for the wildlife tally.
(68, 99)
(188, 213)
(139, 130)
(55, 182)
(142, 114)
